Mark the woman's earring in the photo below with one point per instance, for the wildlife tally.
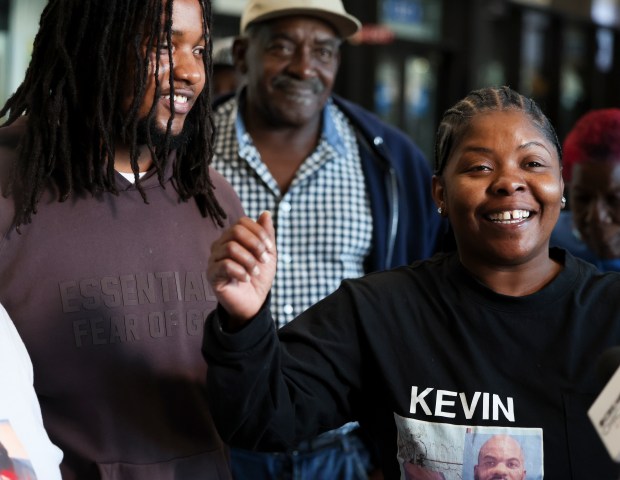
(563, 202)
(439, 210)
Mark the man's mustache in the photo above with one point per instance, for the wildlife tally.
(287, 83)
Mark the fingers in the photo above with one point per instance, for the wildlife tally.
(241, 250)
(268, 235)
(242, 266)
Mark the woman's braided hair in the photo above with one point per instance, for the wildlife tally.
(456, 119)
(72, 95)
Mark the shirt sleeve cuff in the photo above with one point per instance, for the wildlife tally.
(249, 337)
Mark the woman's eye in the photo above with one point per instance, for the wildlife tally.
(534, 164)
(479, 168)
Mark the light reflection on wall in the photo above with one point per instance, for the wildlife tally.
(420, 97)
(23, 24)
(4, 77)
(532, 82)
(604, 49)
(605, 12)
(387, 88)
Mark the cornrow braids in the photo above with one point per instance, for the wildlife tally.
(456, 119)
(72, 93)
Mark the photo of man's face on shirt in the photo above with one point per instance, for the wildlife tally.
(440, 451)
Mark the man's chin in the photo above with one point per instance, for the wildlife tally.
(157, 135)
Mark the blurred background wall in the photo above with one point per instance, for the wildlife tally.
(19, 22)
(415, 58)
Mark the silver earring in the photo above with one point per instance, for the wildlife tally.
(563, 202)
(439, 210)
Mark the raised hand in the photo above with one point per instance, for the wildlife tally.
(242, 267)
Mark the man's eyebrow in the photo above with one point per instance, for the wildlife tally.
(334, 41)
(174, 33)
(281, 36)
(177, 32)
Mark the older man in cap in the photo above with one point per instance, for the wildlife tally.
(348, 193)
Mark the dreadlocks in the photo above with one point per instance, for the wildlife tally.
(72, 95)
(457, 119)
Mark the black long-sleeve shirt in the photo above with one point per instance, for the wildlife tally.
(432, 363)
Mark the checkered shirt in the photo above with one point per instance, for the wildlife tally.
(323, 222)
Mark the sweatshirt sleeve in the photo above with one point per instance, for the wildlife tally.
(269, 390)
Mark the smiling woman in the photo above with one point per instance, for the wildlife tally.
(500, 337)
(498, 181)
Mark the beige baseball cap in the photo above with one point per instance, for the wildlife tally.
(332, 11)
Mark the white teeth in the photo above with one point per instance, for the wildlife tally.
(509, 215)
(178, 98)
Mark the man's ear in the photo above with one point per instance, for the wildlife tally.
(239, 50)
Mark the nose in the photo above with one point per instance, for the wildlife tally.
(188, 68)
(508, 182)
(302, 64)
(500, 471)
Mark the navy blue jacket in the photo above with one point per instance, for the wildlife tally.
(406, 225)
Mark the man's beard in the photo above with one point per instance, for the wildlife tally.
(158, 136)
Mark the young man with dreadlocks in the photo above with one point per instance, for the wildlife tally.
(107, 213)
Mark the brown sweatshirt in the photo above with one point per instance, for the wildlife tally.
(110, 295)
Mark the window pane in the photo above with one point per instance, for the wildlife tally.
(412, 19)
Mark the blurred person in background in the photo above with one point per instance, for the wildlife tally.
(590, 228)
(225, 78)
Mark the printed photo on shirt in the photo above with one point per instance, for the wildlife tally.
(14, 460)
(442, 451)
(511, 453)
